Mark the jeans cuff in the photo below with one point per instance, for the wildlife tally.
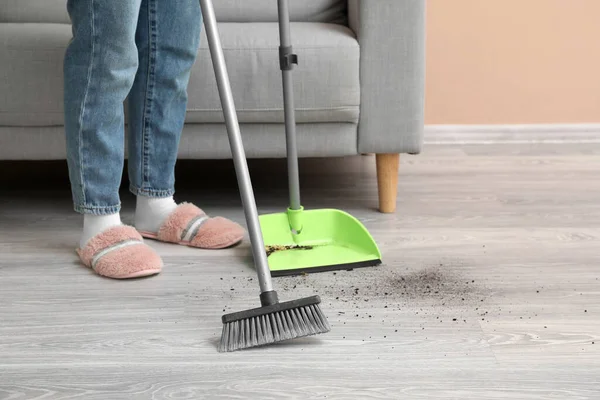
(97, 210)
(158, 193)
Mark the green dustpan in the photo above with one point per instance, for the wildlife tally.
(327, 240)
(301, 241)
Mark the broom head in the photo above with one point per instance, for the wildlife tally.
(273, 323)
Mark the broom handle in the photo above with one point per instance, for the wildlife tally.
(287, 59)
(237, 146)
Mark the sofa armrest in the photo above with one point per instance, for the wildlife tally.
(391, 34)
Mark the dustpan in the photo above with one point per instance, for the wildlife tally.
(300, 241)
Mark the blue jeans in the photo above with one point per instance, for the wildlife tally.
(139, 51)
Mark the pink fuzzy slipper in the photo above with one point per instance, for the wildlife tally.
(120, 253)
(188, 225)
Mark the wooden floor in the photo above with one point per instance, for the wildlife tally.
(490, 289)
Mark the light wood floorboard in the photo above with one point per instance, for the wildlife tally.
(490, 289)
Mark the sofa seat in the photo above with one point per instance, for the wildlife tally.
(327, 87)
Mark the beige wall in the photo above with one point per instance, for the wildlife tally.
(513, 61)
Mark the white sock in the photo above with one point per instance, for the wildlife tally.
(151, 212)
(94, 224)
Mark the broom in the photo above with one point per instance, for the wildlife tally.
(273, 321)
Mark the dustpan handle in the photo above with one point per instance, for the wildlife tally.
(237, 147)
(287, 61)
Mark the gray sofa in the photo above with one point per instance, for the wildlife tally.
(359, 85)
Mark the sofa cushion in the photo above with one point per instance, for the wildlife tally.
(50, 11)
(326, 80)
(54, 11)
(31, 76)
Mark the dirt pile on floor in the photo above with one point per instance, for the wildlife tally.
(392, 286)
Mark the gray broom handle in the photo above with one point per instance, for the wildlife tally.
(289, 111)
(237, 146)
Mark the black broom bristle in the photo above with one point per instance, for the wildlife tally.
(272, 324)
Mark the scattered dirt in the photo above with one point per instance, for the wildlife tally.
(438, 290)
(272, 249)
(392, 286)
(435, 293)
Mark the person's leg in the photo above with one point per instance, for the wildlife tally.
(167, 39)
(100, 65)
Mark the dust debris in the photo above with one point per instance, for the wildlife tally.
(432, 292)
(275, 248)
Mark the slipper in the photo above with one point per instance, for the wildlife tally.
(119, 253)
(188, 225)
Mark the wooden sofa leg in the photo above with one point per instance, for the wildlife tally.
(387, 181)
